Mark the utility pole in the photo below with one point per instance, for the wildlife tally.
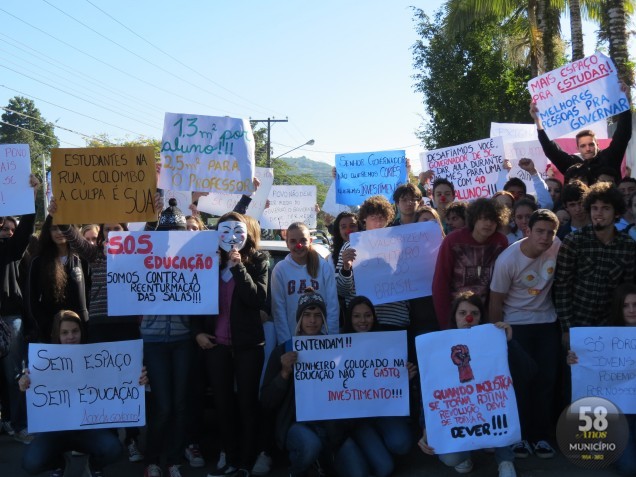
(269, 130)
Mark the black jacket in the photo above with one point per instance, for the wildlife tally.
(11, 252)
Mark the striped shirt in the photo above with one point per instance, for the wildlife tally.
(587, 273)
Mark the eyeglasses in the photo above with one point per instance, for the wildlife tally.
(408, 200)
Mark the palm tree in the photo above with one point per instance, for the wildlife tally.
(615, 19)
(576, 29)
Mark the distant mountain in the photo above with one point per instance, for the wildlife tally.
(303, 165)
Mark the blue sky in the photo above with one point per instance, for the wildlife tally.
(340, 71)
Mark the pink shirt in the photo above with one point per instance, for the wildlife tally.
(222, 330)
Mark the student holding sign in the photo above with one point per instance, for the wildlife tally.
(592, 159)
(623, 314)
(48, 448)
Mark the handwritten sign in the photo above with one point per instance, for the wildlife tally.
(467, 394)
(472, 167)
(217, 203)
(85, 386)
(207, 154)
(351, 375)
(183, 198)
(578, 94)
(104, 184)
(514, 132)
(16, 195)
(607, 365)
(396, 263)
(330, 205)
(162, 273)
(363, 174)
(289, 204)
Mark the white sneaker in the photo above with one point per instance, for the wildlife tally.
(507, 469)
(134, 455)
(263, 464)
(193, 454)
(221, 463)
(464, 467)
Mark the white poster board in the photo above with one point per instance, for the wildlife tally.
(578, 94)
(364, 174)
(289, 204)
(16, 194)
(351, 375)
(396, 263)
(467, 394)
(473, 167)
(183, 198)
(216, 203)
(85, 386)
(162, 273)
(607, 365)
(330, 205)
(206, 154)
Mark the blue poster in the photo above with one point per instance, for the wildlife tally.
(364, 174)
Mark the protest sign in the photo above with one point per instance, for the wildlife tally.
(351, 375)
(473, 167)
(396, 263)
(578, 94)
(207, 154)
(16, 194)
(330, 206)
(162, 273)
(104, 184)
(514, 132)
(217, 203)
(467, 394)
(183, 198)
(607, 365)
(90, 386)
(289, 204)
(363, 174)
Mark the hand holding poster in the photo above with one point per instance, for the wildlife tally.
(473, 167)
(217, 203)
(396, 263)
(607, 365)
(330, 206)
(85, 386)
(289, 204)
(467, 394)
(207, 154)
(104, 184)
(361, 175)
(578, 94)
(162, 273)
(352, 375)
(16, 195)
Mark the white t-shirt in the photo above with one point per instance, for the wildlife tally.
(527, 283)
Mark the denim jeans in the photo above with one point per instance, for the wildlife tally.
(12, 365)
(46, 452)
(626, 464)
(168, 366)
(542, 342)
(304, 446)
(502, 454)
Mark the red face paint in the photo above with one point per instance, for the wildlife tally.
(469, 318)
(442, 199)
(299, 246)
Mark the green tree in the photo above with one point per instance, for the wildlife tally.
(22, 123)
(615, 18)
(104, 140)
(467, 81)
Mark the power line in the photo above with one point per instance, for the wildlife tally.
(72, 111)
(177, 60)
(39, 134)
(52, 124)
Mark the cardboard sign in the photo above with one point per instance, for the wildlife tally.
(607, 365)
(467, 394)
(207, 154)
(216, 203)
(364, 174)
(289, 204)
(578, 94)
(16, 195)
(91, 386)
(104, 185)
(396, 263)
(472, 167)
(162, 273)
(351, 375)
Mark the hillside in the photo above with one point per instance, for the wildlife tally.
(303, 165)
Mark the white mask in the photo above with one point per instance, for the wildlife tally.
(232, 235)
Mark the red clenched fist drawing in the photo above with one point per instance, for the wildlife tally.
(461, 357)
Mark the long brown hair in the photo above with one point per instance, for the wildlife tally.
(53, 276)
(313, 259)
